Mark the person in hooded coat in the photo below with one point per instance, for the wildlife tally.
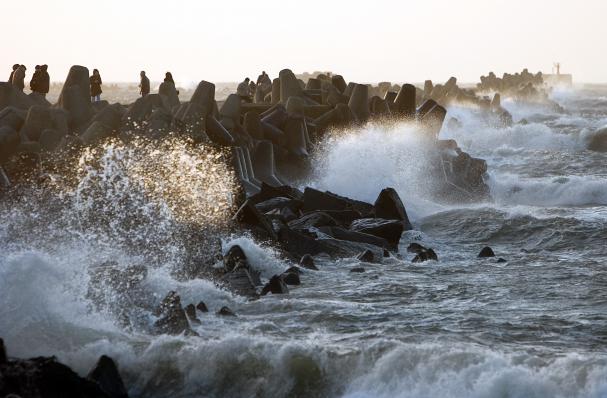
(95, 81)
(244, 91)
(144, 85)
(34, 80)
(168, 77)
(10, 79)
(19, 78)
(43, 81)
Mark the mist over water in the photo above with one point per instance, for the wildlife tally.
(535, 326)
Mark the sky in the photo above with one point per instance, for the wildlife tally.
(365, 41)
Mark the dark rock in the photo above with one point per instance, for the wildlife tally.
(268, 192)
(202, 307)
(279, 203)
(3, 357)
(172, 317)
(12, 117)
(225, 311)
(50, 139)
(9, 142)
(313, 220)
(415, 248)
(275, 286)
(389, 206)
(501, 260)
(390, 230)
(242, 281)
(317, 200)
(425, 255)
(38, 118)
(295, 270)
(486, 252)
(367, 256)
(598, 141)
(353, 236)
(290, 278)
(106, 374)
(44, 377)
(190, 312)
(249, 215)
(357, 270)
(307, 262)
(344, 217)
(233, 258)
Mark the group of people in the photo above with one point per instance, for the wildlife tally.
(40, 82)
(247, 88)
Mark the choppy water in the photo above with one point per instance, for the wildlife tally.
(535, 326)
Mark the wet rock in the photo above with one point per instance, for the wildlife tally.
(268, 192)
(38, 118)
(172, 317)
(353, 236)
(307, 262)
(275, 286)
(44, 377)
(50, 139)
(486, 252)
(598, 141)
(96, 132)
(312, 220)
(367, 256)
(250, 216)
(425, 255)
(290, 278)
(12, 117)
(233, 258)
(9, 141)
(106, 374)
(279, 203)
(225, 311)
(3, 357)
(317, 200)
(190, 312)
(390, 230)
(242, 281)
(357, 270)
(501, 260)
(415, 248)
(202, 307)
(389, 206)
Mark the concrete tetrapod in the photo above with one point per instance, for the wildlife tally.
(359, 102)
(264, 164)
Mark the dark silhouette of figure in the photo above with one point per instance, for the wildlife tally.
(43, 81)
(95, 81)
(19, 78)
(263, 78)
(10, 79)
(168, 77)
(252, 88)
(244, 91)
(144, 85)
(34, 80)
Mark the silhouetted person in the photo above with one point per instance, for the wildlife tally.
(252, 88)
(144, 85)
(19, 78)
(263, 77)
(34, 80)
(95, 81)
(43, 81)
(168, 77)
(10, 79)
(243, 90)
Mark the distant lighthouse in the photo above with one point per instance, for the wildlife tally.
(556, 79)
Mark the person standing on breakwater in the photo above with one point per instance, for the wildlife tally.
(34, 80)
(144, 85)
(10, 79)
(43, 81)
(244, 90)
(95, 81)
(168, 78)
(19, 78)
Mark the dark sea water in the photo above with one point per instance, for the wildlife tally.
(534, 326)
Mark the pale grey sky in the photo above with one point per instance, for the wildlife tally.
(366, 41)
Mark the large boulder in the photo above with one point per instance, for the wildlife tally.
(390, 230)
(317, 200)
(168, 90)
(598, 141)
(106, 375)
(9, 96)
(275, 285)
(389, 206)
(171, 316)
(9, 141)
(313, 220)
(75, 97)
(38, 119)
(354, 236)
(12, 117)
